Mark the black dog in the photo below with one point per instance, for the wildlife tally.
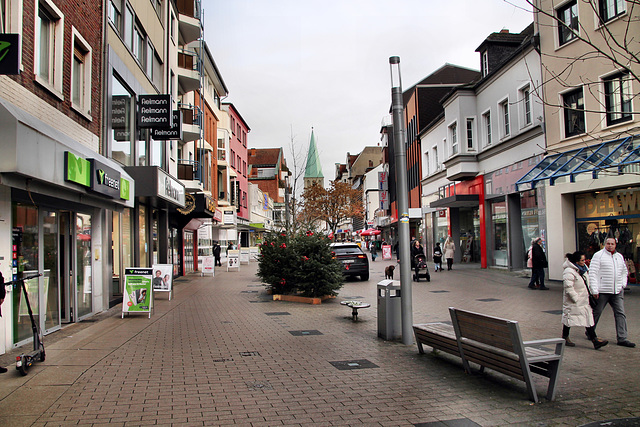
(388, 272)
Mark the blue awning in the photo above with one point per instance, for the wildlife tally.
(615, 157)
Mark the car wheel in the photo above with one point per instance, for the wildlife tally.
(364, 276)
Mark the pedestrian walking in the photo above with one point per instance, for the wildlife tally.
(417, 256)
(437, 257)
(538, 264)
(576, 310)
(3, 293)
(607, 279)
(530, 261)
(216, 253)
(374, 251)
(449, 252)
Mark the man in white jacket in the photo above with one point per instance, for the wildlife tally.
(607, 279)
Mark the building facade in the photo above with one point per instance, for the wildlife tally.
(590, 172)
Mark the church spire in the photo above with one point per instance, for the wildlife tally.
(313, 170)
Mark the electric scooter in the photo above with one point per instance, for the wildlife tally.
(25, 360)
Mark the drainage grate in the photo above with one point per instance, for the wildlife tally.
(356, 297)
(553, 311)
(460, 422)
(249, 353)
(221, 360)
(259, 385)
(348, 365)
(488, 299)
(226, 321)
(248, 292)
(301, 333)
(261, 300)
(438, 292)
(278, 313)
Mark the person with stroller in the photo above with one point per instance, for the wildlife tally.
(417, 256)
(437, 256)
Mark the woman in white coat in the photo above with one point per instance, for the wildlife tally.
(449, 251)
(576, 310)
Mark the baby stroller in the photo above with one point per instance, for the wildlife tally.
(420, 268)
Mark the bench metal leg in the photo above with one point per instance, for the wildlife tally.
(554, 370)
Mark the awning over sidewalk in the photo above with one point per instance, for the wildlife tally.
(457, 201)
(612, 157)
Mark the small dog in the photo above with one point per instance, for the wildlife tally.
(388, 272)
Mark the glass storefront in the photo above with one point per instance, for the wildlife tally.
(25, 249)
(499, 226)
(616, 213)
(143, 245)
(174, 252)
(469, 234)
(121, 250)
(83, 264)
(51, 272)
(188, 251)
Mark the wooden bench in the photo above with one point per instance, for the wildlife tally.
(497, 344)
(439, 336)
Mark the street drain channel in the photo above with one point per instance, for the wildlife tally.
(438, 292)
(278, 313)
(460, 422)
(248, 292)
(303, 333)
(348, 365)
(221, 360)
(488, 299)
(249, 353)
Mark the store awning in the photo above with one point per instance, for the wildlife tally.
(457, 201)
(615, 157)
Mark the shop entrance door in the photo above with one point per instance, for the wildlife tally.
(66, 268)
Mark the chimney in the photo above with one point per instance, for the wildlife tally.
(504, 31)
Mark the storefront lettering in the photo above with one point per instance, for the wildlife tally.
(170, 190)
(620, 202)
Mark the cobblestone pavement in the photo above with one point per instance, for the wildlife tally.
(221, 352)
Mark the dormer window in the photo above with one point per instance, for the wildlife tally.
(485, 63)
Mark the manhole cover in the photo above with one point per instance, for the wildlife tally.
(278, 313)
(460, 422)
(259, 385)
(488, 299)
(553, 311)
(301, 333)
(347, 365)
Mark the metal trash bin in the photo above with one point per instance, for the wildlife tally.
(389, 310)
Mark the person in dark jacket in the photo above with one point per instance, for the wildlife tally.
(216, 253)
(3, 293)
(539, 263)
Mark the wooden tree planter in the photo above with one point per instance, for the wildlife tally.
(296, 298)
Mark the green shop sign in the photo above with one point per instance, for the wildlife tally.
(9, 54)
(77, 169)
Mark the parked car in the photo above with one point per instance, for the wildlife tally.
(354, 261)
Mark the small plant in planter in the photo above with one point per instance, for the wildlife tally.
(301, 264)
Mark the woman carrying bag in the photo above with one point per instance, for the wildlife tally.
(576, 310)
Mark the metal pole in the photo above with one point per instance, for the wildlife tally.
(286, 202)
(406, 300)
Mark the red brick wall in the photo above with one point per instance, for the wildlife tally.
(86, 17)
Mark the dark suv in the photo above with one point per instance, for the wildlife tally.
(354, 260)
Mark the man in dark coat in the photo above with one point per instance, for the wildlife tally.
(539, 263)
(216, 253)
(3, 293)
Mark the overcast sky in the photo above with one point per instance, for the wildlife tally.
(291, 65)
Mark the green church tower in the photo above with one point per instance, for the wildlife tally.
(313, 170)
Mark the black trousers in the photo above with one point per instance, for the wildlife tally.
(591, 332)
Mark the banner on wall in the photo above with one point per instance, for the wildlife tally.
(137, 296)
(162, 278)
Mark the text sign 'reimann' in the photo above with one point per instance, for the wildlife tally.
(154, 111)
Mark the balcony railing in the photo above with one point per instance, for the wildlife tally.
(190, 8)
(191, 115)
(187, 170)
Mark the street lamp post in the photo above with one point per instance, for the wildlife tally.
(406, 299)
(286, 202)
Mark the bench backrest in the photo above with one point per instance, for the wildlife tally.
(493, 331)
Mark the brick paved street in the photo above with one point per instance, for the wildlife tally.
(222, 353)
